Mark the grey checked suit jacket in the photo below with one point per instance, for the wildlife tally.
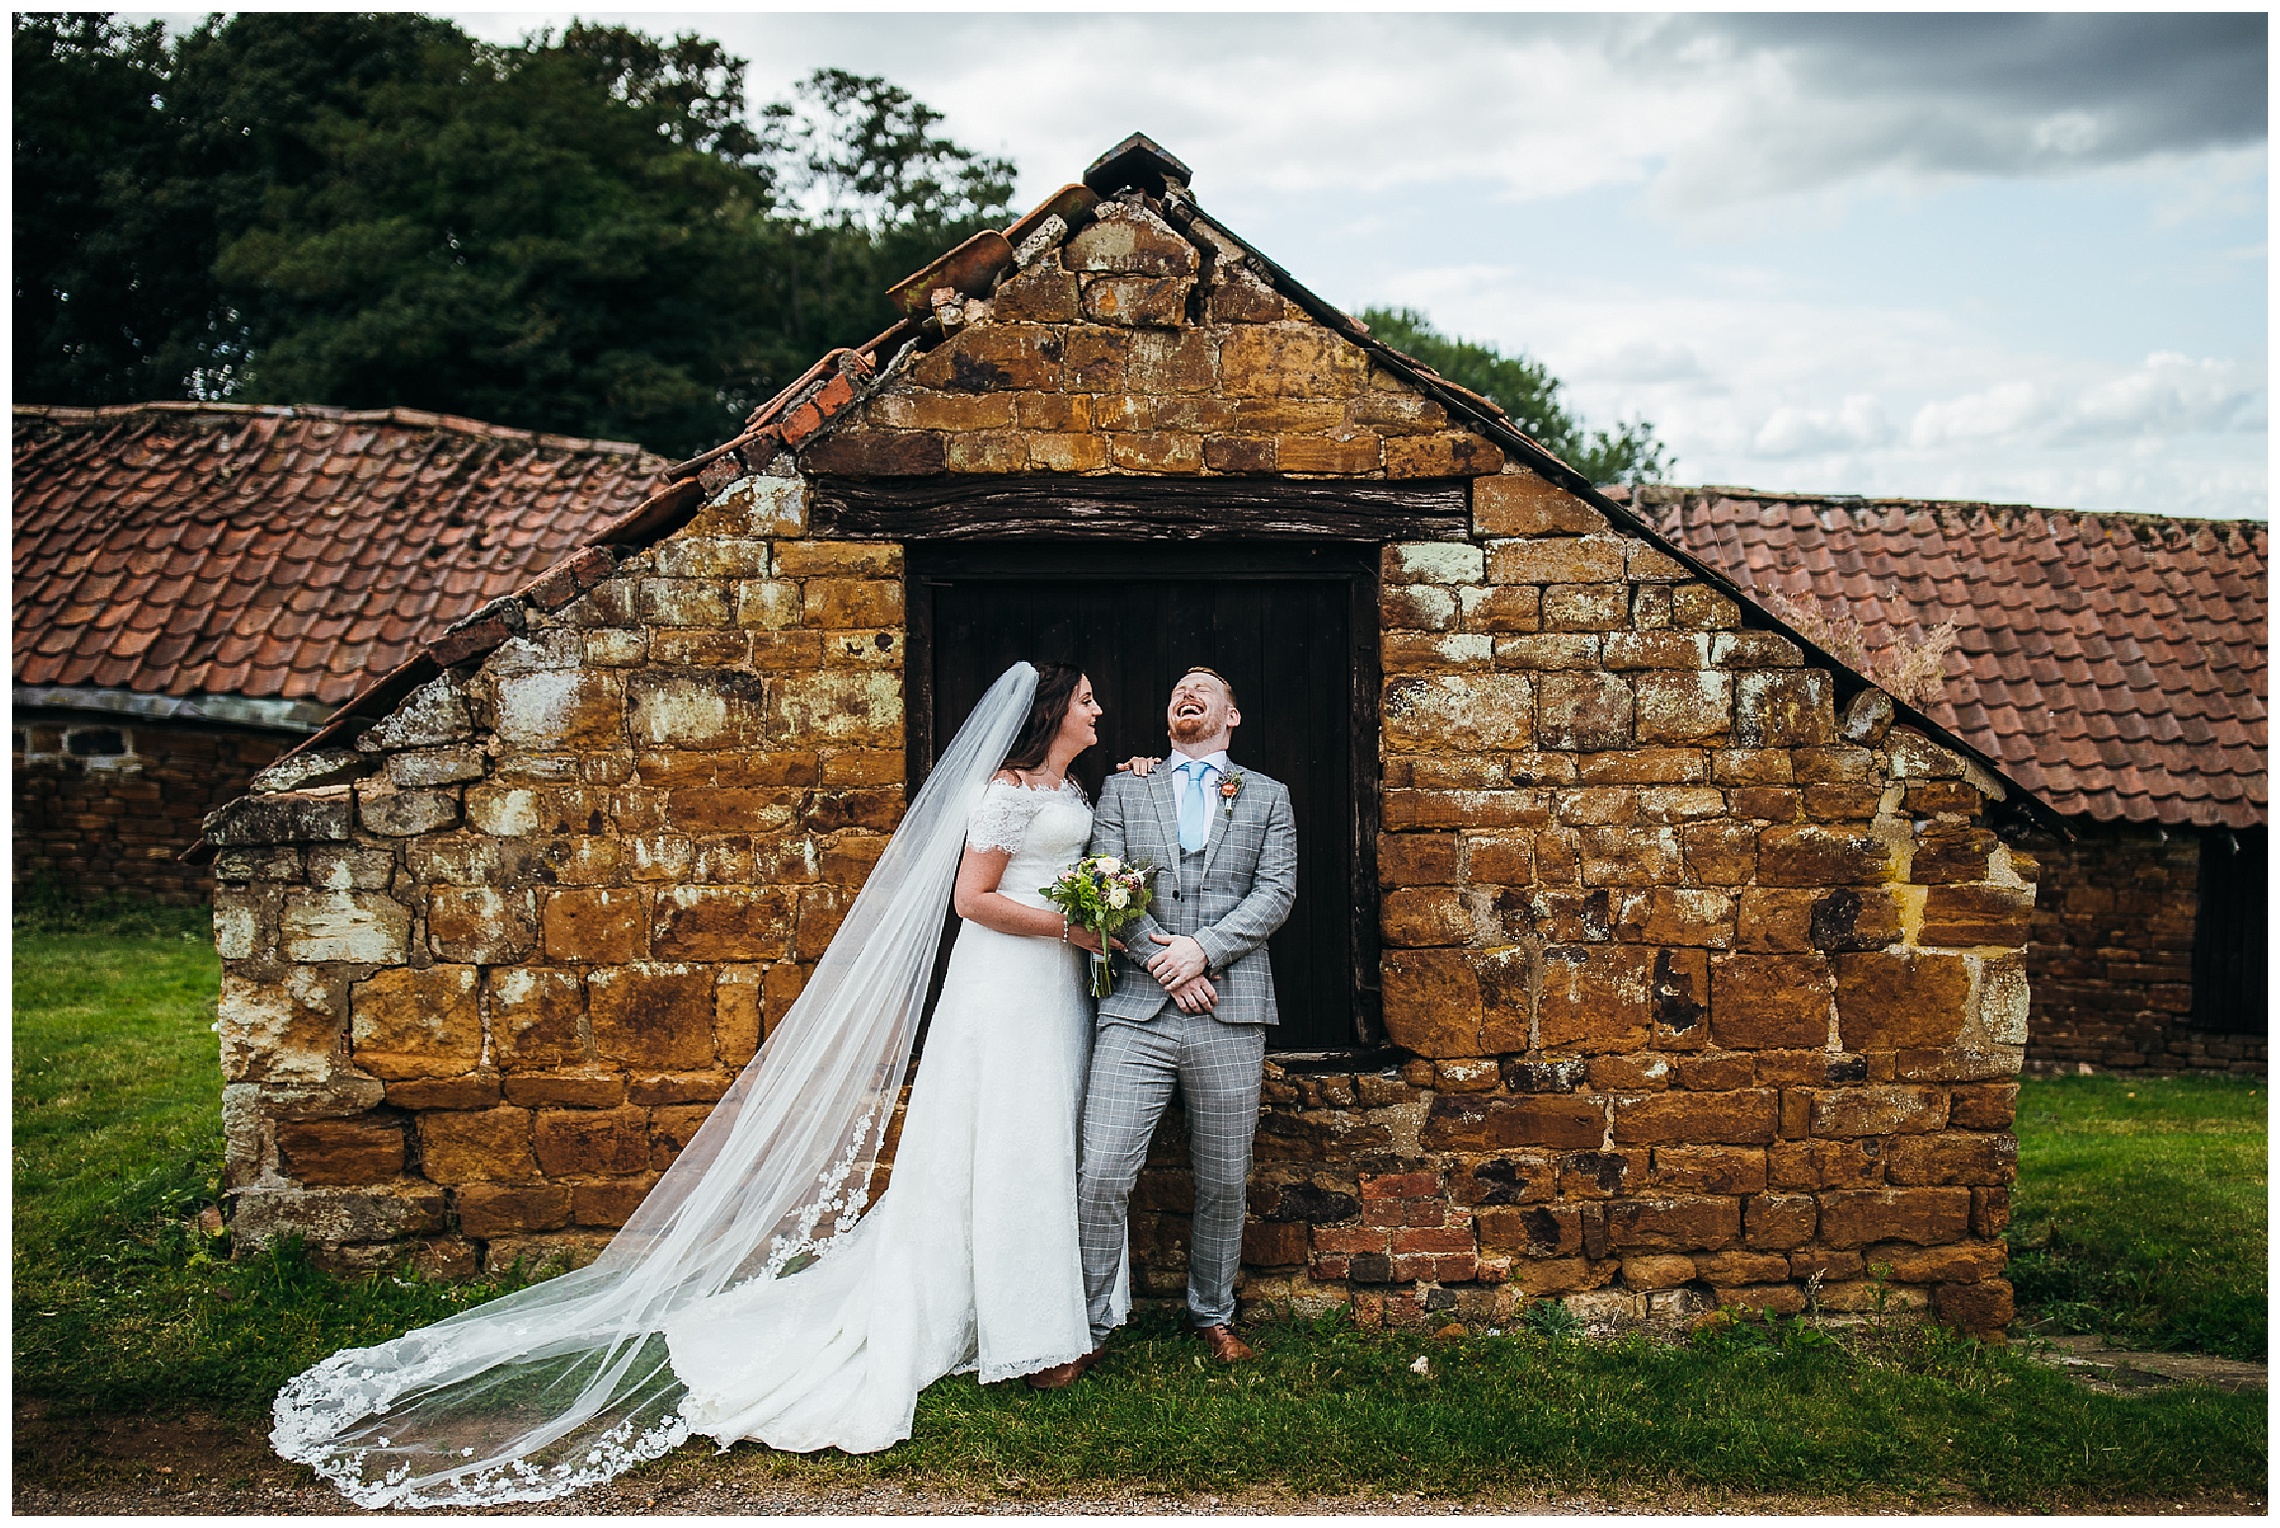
(1249, 880)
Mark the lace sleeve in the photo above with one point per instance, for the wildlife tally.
(1000, 820)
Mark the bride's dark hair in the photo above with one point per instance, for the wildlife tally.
(1056, 686)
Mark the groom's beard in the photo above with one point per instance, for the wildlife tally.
(1191, 729)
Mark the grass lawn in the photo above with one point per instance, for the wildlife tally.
(124, 1308)
(2140, 1210)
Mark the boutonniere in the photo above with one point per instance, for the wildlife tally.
(1231, 786)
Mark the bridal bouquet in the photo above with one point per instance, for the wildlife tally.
(1104, 894)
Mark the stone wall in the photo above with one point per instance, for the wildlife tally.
(1701, 988)
(106, 805)
(2111, 958)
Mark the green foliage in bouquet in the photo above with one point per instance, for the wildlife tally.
(1104, 894)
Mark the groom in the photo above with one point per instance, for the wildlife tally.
(1191, 1004)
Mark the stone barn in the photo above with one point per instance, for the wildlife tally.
(199, 585)
(2116, 665)
(1645, 957)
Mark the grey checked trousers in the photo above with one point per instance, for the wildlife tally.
(1217, 1067)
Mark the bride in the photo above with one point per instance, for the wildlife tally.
(753, 1294)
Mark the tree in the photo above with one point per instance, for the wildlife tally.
(584, 233)
(1531, 395)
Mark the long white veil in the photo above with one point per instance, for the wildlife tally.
(567, 1382)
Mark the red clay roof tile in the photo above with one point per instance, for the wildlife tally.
(286, 553)
(2113, 663)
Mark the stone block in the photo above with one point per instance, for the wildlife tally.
(562, 1090)
(1782, 1221)
(1784, 708)
(1975, 914)
(536, 1016)
(608, 1204)
(335, 1216)
(1683, 707)
(653, 1017)
(1983, 1309)
(989, 358)
(1127, 240)
(671, 1128)
(1923, 1216)
(1156, 451)
(1872, 1110)
(1444, 453)
(1289, 360)
(597, 925)
(428, 767)
(1809, 854)
(477, 1090)
(477, 1146)
(432, 715)
(480, 925)
(860, 709)
(1688, 1224)
(1699, 918)
(494, 1209)
(1983, 1106)
(567, 709)
(1458, 712)
(1417, 859)
(1136, 301)
(1824, 1164)
(417, 1023)
(1519, 503)
(698, 708)
(1425, 916)
(591, 1142)
(1238, 296)
(1909, 998)
(1629, 856)
(1709, 1169)
(1952, 1157)
(722, 923)
(281, 1032)
(1332, 456)
(1596, 998)
(1596, 559)
(1743, 1117)
(876, 453)
(1583, 711)
(1659, 1270)
(1762, 1002)
(362, 927)
(1502, 608)
(341, 1151)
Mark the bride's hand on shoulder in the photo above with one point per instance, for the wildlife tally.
(1139, 764)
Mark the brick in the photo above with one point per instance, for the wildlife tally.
(341, 1151)
(653, 1017)
(412, 1023)
(1523, 504)
(477, 1146)
(1769, 1001)
(1885, 1001)
(1743, 1117)
(1583, 711)
(1557, 560)
(1924, 1216)
(591, 1142)
(535, 1018)
(1274, 1244)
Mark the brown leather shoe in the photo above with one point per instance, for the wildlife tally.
(1224, 1344)
(1062, 1376)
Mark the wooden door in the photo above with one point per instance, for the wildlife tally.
(1294, 631)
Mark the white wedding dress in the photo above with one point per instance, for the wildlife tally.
(968, 1261)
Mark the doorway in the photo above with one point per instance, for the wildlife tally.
(1294, 629)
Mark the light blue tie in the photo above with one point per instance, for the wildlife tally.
(1195, 820)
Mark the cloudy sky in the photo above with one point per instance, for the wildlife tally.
(2015, 258)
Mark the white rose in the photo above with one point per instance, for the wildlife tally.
(1110, 864)
(1118, 896)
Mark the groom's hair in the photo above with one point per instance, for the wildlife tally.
(1197, 668)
